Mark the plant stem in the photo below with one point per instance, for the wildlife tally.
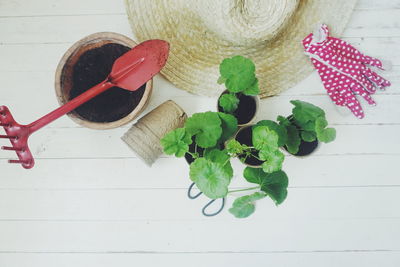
(252, 155)
(194, 155)
(256, 157)
(226, 161)
(246, 189)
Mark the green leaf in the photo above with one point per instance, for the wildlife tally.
(283, 121)
(254, 175)
(229, 126)
(243, 206)
(265, 138)
(228, 102)
(234, 147)
(221, 80)
(216, 155)
(274, 184)
(307, 126)
(293, 141)
(238, 72)
(279, 129)
(210, 177)
(305, 114)
(221, 157)
(253, 89)
(308, 136)
(325, 135)
(176, 142)
(273, 160)
(304, 111)
(206, 127)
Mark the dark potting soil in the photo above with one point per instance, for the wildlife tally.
(305, 148)
(246, 109)
(245, 138)
(92, 68)
(189, 159)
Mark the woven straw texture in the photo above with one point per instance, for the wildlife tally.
(204, 32)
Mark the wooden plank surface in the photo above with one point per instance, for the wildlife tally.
(91, 202)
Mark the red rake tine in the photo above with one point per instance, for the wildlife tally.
(11, 148)
(8, 136)
(16, 161)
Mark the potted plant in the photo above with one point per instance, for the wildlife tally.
(305, 127)
(257, 146)
(240, 97)
(210, 168)
(206, 144)
(201, 138)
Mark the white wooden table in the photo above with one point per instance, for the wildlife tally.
(90, 202)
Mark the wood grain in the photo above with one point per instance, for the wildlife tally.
(90, 202)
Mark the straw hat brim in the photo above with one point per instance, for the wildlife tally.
(196, 52)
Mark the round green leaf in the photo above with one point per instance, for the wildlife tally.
(308, 136)
(265, 138)
(275, 186)
(243, 206)
(254, 175)
(217, 156)
(228, 102)
(211, 178)
(279, 129)
(304, 111)
(229, 125)
(283, 121)
(273, 160)
(238, 72)
(293, 141)
(253, 89)
(325, 135)
(206, 127)
(176, 142)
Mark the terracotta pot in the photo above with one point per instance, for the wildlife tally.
(251, 120)
(63, 78)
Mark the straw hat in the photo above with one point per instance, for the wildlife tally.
(204, 32)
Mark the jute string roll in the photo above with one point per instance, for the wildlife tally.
(144, 136)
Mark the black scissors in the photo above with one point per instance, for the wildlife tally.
(204, 210)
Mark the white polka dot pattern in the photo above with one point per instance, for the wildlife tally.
(343, 71)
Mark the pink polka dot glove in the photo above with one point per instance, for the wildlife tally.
(343, 70)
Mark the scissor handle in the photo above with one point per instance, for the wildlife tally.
(190, 194)
(204, 210)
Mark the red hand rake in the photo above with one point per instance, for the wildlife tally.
(130, 72)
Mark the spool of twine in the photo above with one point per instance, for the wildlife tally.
(144, 136)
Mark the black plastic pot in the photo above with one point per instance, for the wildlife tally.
(247, 108)
(189, 159)
(244, 136)
(305, 148)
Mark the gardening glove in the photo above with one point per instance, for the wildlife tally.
(343, 70)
